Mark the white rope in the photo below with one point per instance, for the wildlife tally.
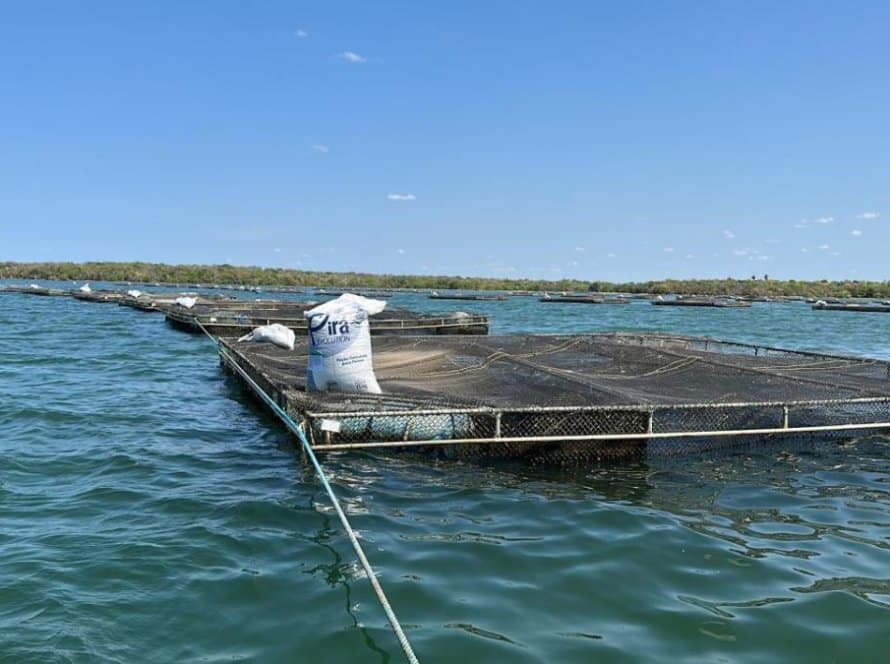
(353, 539)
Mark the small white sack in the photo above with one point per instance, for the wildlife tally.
(86, 288)
(187, 302)
(134, 293)
(340, 345)
(275, 333)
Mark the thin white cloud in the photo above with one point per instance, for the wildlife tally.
(868, 216)
(400, 251)
(350, 56)
(320, 147)
(277, 250)
(689, 256)
(579, 248)
(856, 233)
(301, 34)
(610, 256)
(801, 224)
(835, 253)
(729, 235)
(746, 252)
(804, 250)
(401, 197)
(823, 247)
(668, 250)
(823, 220)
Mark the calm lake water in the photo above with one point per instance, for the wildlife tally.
(150, 511)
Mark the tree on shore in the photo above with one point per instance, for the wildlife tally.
(139, 272)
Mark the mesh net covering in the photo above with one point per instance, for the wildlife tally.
(525, 388)
(222, 317)
(276, 309)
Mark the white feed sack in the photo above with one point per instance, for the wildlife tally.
(340, 345)
(275, 333)
(187, 302)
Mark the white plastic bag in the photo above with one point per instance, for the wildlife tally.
(187, 302)
(85, 288)
(275, 333)
(134, 293)
(340, 345)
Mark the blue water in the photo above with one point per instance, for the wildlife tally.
(150, 511)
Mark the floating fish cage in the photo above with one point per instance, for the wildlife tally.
(149, 304)
(583, 299)
(33, 289)
(162, 302)
(467, 297)
(574, 399)
(238, 321)
(101, 296)
(720, 303)
(363, 293)
(866, 308)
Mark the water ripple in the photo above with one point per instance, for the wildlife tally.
(149, 512)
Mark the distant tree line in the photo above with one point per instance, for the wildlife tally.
(258, 276)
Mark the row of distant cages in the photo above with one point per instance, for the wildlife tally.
(322, 290)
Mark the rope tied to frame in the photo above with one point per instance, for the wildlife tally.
(350, 532)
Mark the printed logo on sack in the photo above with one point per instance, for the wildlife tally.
(331, 336)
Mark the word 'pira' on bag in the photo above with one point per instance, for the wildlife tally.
(340, 345)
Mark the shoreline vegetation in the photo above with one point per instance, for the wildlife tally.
(230, 275)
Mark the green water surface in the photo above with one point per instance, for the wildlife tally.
(151, 512)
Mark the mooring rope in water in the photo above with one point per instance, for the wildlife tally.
(356, 545)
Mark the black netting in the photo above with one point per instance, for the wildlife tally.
(715, 418)
(843, 412)
(544, 394)
(235, 318)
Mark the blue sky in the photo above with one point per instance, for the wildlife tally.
(622, 140)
